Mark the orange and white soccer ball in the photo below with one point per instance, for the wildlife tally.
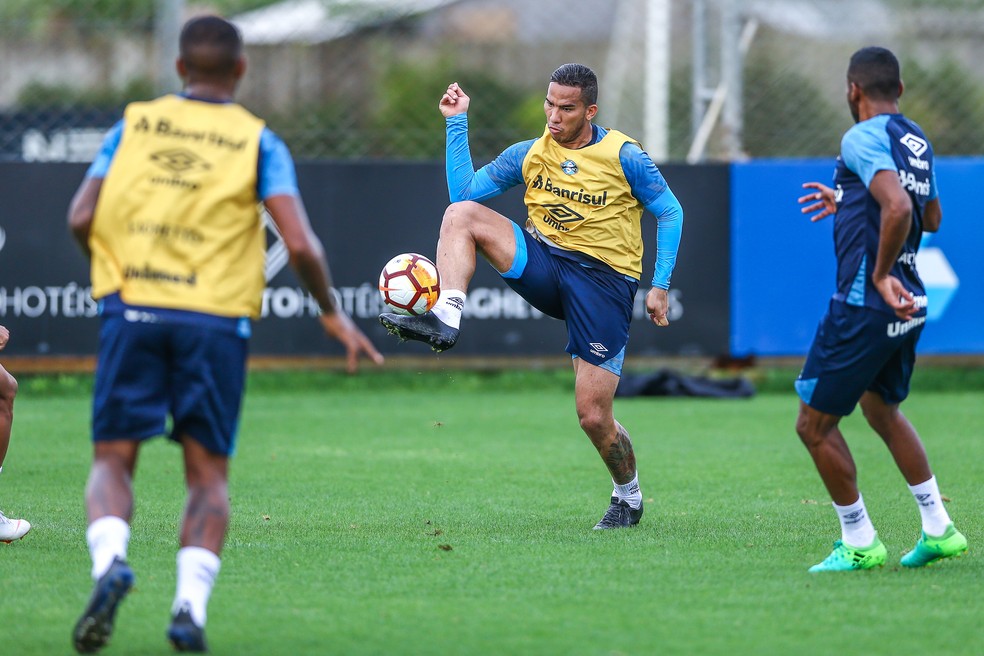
(410, 284)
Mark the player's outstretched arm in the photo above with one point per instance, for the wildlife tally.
(4, 336)
(454, 101)
(822, 201)
(307, 257)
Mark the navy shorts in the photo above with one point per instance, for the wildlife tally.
(156, 363)
(595, 304)
(857, 350)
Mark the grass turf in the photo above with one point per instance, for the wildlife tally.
(451, 513)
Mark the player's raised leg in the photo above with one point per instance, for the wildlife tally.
(859, 546)
(594, 392)
(939, 538)
(468, 229)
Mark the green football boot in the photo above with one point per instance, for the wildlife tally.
(929, 549)
(845, 558)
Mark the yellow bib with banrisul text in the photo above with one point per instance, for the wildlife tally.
(580, 200)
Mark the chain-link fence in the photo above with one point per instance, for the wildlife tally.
(692, 79)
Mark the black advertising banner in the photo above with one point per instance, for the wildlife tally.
(364, 213)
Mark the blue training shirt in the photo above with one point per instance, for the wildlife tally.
(506, 171)
(889, 142)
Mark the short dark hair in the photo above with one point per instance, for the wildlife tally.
(210, 46)
(581, 77)
(876, 71)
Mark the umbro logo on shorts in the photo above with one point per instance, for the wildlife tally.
(598, 349)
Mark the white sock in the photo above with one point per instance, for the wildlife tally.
(856, 527)
(449, 306)
(108, 538)
(934, 516)
(197, 569)
(630, 492)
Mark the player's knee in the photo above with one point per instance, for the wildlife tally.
(807, 431)
(880, 416)
(594, 421)
(456, 217)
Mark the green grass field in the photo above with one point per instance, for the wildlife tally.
(451, 513)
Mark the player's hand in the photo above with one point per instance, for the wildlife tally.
(822, 201)
(898, 297)
(340, 326)
(4, 336)
(454, 101)
(657, 304)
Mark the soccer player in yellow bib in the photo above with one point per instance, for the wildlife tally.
(10, 529)
(168, 214)
(579, 258)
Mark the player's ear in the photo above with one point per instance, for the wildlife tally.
(853, 92)
(240, 67)
(901, 88)
(591, 112)
(179, 65)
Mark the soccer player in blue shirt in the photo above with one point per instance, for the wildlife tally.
(579, 258)
(885, 197)
(168, 215)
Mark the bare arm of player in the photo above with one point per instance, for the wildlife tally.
(454, 101)
(657, 304)
(307, 257)
(932, 215)
(823, 201)
(896, 221)
(81, 211)
(4, 336)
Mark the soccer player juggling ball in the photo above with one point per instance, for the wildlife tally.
(865, 347)
(579, 258)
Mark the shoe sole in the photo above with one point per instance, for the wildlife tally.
(937, 559)
(397, 331)
(180, 643)
(185, 641)
(867, 568)
(612, 528)
(14, 540)
(94, 628)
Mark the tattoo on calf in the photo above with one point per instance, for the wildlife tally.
(620, 458)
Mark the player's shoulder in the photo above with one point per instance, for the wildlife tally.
(517, 152)
(270, 140)
(909, 133)
(867, 140)
(874, 129)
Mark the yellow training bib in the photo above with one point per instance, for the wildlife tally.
(581, 201)
(177, 224)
